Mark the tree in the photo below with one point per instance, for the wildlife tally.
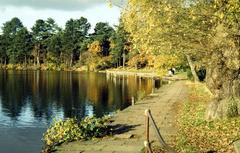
(10, 31)
(119, 46)
(102, 33)
(38, 32)
(23, 45)
(42, 32)
(73, 35)
(83, 47)
(55, 48)
(3, 54)
(223, 73)
(205, 32)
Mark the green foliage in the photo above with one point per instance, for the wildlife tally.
(49, 47)
(119, 46)
(93, 127)
(62, 131)
(15, 38)
(71, 129)
(74, 33)
(102, 34)
(189, 74)
(54, 49)
(3, 54)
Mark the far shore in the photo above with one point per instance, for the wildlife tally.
(142, 73)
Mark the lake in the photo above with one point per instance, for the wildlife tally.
(30, 100)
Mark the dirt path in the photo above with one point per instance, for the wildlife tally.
(163, 105)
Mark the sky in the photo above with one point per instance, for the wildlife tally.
(28, 11)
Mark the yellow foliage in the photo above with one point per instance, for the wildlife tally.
(166, 61)
(95, 47)
(137, 60)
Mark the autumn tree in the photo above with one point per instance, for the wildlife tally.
(102, 33)
(223, 66)
(205, 32)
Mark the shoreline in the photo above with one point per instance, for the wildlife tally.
(141, 74)
(151, 74)
(128, 124)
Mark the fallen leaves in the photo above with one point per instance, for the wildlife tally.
(198, 135)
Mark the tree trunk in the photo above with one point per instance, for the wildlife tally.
(71, 61)
(224, 83)
(124, 59)
(1, 62)
(38, 54)
(5, 61)
(192, 67)
(38, 60)
(29, 60)
(25, 61)
(119, 62)
(80, 57)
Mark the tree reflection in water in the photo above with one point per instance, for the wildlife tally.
(42, 95)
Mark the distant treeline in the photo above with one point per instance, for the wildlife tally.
(73, 46)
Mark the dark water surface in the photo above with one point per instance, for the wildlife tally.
(30, 100)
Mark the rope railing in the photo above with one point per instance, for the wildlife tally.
(148, 149)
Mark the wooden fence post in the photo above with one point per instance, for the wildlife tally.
(146, 129)
(133, 101)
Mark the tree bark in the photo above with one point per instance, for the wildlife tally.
(71, 61)
(80, 57)
(38, 54)
(192, 67)
(38, 60)
(124, 59)
(5, 61)
(224, 83)
(25, 60)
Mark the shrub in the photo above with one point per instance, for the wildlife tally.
(71, 129)
(189, 74)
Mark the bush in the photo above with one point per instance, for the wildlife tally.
(189, 74)
(71, 129)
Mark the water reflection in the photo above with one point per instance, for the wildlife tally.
(36, 96)
(29, 100)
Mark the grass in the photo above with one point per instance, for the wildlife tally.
(196, 135)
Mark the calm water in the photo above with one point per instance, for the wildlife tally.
(29, 100)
